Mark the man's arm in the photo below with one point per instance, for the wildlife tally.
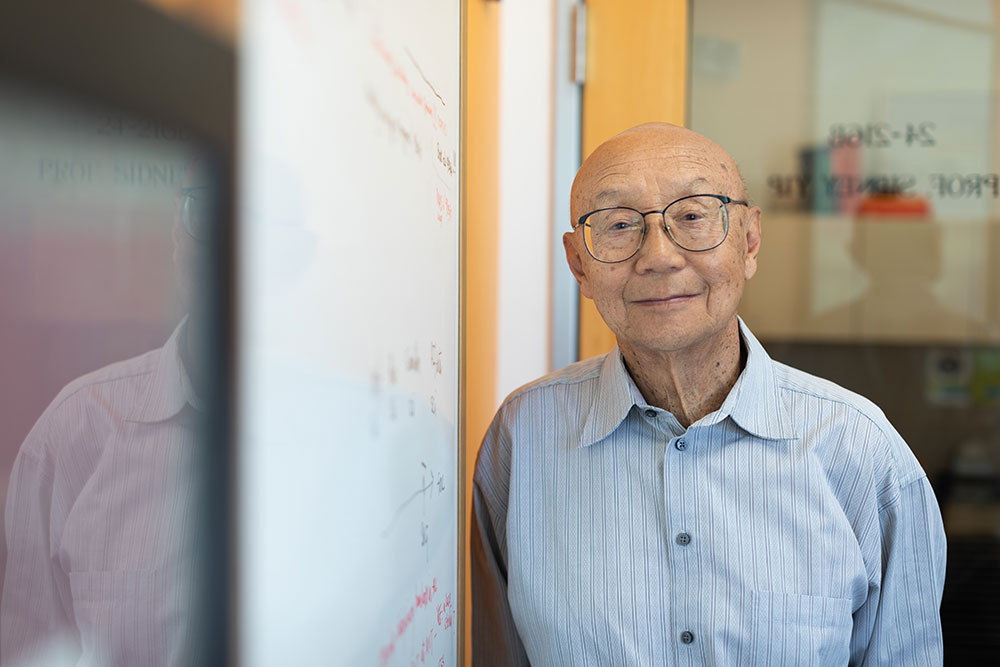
(494, 636)
(900, 623)
(495, 640)
(34, 624)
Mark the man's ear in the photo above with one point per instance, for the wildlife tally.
(751, 227)
(575, 261)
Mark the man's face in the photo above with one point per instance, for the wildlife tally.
(192, 214)
(664, 299)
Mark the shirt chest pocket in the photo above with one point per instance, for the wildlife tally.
(128, 617)
(800, 630)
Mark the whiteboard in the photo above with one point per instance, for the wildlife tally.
(348, 315)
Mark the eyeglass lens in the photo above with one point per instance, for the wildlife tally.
(694, 223)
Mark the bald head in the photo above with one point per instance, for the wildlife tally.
(679, 157)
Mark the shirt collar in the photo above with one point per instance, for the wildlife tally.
(754, 403)
(169, 389)
(612, 401)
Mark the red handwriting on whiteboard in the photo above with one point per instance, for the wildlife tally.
(426, 649)
(417, 97)
(423, 598)
(443, 206)
(444, 613)
(296, 18)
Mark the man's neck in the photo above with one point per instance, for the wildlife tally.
(192, 350)
(689, 383)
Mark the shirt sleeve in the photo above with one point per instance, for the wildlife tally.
(900, 622)
(495, 640)
(34, 624)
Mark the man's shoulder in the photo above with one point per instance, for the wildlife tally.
(102, 396)
(575, 376)
(803, 394)
(820, 401)
(802, 386)
(119, 379)
(549, 405)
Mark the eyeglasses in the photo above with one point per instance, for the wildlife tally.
(696, 223)
(197, 210)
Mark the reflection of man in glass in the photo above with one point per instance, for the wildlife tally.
(684, 499)
(99, 517)
(903, 258)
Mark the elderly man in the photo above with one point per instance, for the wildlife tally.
(101, 512)
(684, 499)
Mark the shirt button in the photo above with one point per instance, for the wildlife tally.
(651, 413)
(683, 539)
(680, 445)
(687, 637)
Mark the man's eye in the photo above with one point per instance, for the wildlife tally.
(621, 226)
(690, 220)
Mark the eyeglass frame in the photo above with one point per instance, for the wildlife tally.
(188, 194)
(582, 221)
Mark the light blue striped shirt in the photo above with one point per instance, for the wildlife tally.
(792, 526)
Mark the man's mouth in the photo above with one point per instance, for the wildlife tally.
(665, 300)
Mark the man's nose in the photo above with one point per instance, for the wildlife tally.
(658, 251)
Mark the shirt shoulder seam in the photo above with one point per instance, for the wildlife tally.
(908, 474)
(88, 381)
(556, 379)
(854, 408)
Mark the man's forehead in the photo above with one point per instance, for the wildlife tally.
(661, 176)
(619, 187)
(649, 163)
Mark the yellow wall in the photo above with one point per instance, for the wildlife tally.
(480, 191)
(636, 72)
(219, 17)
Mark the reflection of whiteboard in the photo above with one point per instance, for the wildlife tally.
(873, 65)
(349, 275)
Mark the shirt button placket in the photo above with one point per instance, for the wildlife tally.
(683, 609)
(683, 539)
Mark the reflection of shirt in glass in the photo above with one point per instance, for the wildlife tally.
(99, 520)
(791, 526)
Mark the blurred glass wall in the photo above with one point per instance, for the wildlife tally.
(104, 222)
(867, 131)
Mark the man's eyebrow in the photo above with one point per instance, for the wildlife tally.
(615, 194)
(698, 180)
(611, 193)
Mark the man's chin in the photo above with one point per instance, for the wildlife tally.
(670, 337)
(662, 343)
